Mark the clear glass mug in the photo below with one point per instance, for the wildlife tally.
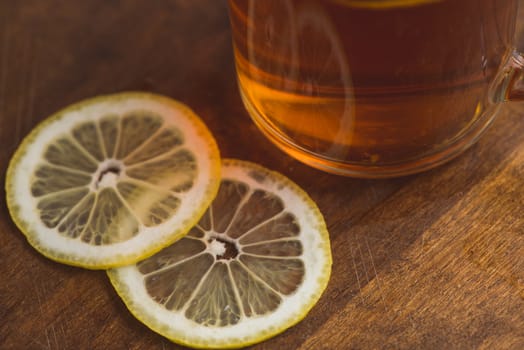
(374, 88)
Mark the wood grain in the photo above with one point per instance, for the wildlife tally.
(429, 261)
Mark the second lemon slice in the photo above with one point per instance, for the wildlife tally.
(254, 265)
(111, 180)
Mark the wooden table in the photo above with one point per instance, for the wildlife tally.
(431, 261)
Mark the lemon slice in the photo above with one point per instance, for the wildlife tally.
(255, 264)
(324, 68)
(111, 180)
(272, 24)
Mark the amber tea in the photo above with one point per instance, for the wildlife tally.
(371, 88)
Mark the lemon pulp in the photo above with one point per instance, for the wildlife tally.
(111, 180)
(254, 265)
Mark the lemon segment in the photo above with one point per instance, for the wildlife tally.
(254, 265)
(111, 180)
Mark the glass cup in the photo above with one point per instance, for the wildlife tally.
(375, 88)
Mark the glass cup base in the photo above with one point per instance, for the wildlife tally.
(372, 171)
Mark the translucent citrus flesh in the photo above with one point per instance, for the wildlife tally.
(254, 265)
(111, 180)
